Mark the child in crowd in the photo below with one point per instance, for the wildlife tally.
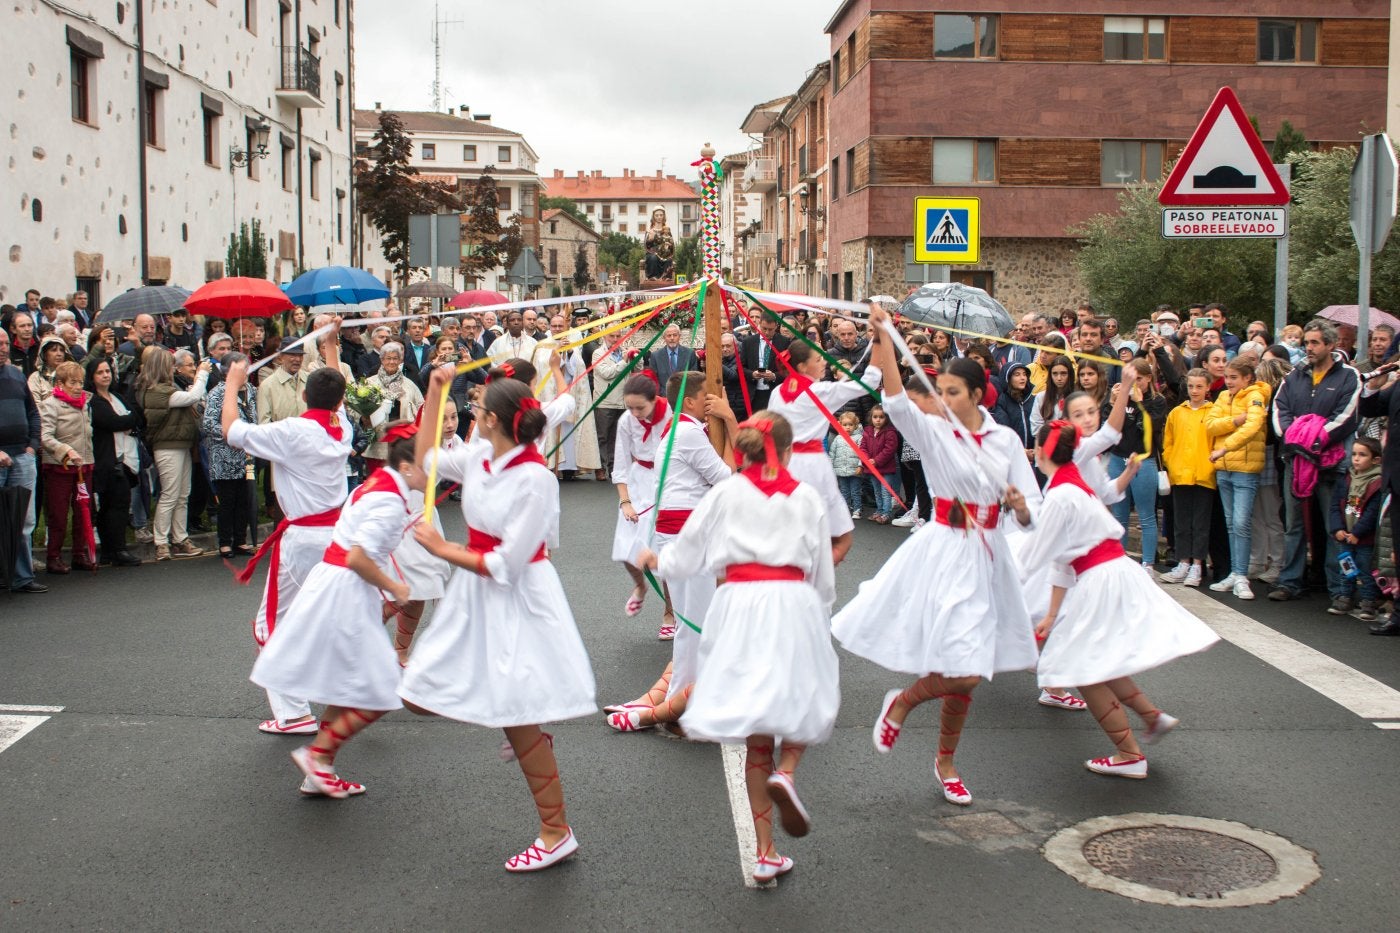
(1236, 425)
(1186, 456)
(1352, 519)
(847, 465)
(881, 445)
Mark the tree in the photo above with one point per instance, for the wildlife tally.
(245, 252)
(568, 206)
(389, 193)
(512, 241)
(582, 276)
(619, 254)
(1287, 141)
(483, 249)
(688, 257)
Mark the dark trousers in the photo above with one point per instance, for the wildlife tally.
(1192, 507)
(113, 492)
(235, 511)
(1220, 541)
(605, 423)
(916, 494)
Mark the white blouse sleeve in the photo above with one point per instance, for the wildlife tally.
(915, 426)
(822, 576)
(525, 534)
(1023, 478)
(1050, 543)
(269, 441)
(452, 464)
(1097, 443)
(559, 410)
(701, 455)
(836, 394)
(381, 526)
(622, 452)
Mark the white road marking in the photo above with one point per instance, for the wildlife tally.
(733, 759)
(1362, 694)
(1388, 725)
(20, 708)
(14, 728)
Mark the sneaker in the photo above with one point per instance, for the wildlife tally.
(906, 520)
(162, 552)
(1282, 594)
(536, 857)
(1366, 610)
(1193, 576)
(1061, 700)
(1241, 589)
(918, 523)
(1270, 576)
(1137, 768)
(855, 515)
(186, 548)
(1176, 575)
(1224, 586)
(1341, 605)
(144, 536)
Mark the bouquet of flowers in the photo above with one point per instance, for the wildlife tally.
(363, 397)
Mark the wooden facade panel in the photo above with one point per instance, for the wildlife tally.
(1050, 38)
(901, 35)
(1361, 42)
(1220, 40)
(860, 173)
(1060, 162)
(901, 160)
(862, 49)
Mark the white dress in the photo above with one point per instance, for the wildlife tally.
(425, 574)
(637, 445)
(579, 447)
(1115, 620)
(695, 468)
(766, 665)
(949, 600)
(331, 646)
(503, 649)
(809, 424)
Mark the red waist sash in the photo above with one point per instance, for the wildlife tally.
(956, 514)
(671, 521)
(272, 545)
(757, 573)
(1103, 552)
(481, 543)
(335, 555)
(648, 464)
(808, 447)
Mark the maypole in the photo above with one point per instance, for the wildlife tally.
(710, 175)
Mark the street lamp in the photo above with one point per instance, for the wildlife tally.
(257, 145)
(805, 195)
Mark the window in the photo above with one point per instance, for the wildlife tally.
(1127, 162)
(850, 170)
(527, 201)
(80, 67)
(588, 208)
(1288, 40)
(340, 215)
(622, 228)
(314, 173)
(336, 4)
(641, 209)
(964, 161)
(155, 114)
(1134, 39)
(429, 152)
(622, 208)
(503, 198)
(339, 97)
(211, 137)
(836, 69)
(554, 262)
(835, 174)
(250, 16)
(687, 230)
(503, 154)
(962, 36)
(468, 153)
(289, 165)
(553, 227)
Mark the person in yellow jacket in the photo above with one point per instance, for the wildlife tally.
(1238, 436)
(1186, 457)
(1052, 347)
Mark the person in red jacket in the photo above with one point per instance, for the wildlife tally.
(880, 442)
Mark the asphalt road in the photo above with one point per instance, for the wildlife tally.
(150, 801)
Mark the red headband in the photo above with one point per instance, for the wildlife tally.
(650, 374)
(1052, 440)
(400, 432)
(528, 403)
(506, 370)
(764, 426)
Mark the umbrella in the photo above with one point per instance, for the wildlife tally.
(958, 306)
(335, 285)
(14, 509)
(238, 296)
(1351, 314)
(148, 299)
(428, 289)
(83, 536)
(477, 298)
(888, 302)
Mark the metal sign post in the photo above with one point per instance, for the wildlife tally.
(1285, 172)
(1373, 206)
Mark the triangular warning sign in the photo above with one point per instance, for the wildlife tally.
(1224, 164)
(946, 232)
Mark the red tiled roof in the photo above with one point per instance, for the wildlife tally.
(619, 188)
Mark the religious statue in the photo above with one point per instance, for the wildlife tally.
(660, 246)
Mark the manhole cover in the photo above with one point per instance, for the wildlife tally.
(1190, 862)
(1182, 861)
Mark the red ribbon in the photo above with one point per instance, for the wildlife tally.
(764, 426)
(506, 370)
(528, 403)
(400, 432)
(1052, 440)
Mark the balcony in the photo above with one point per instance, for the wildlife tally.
(761, 175)
(300, 83)
(763, 244)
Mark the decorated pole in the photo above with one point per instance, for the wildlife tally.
(713, 309)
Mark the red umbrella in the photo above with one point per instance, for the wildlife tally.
(238, 296)
(83, 536)
(478, 297)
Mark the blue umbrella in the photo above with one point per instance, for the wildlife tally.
(335, 285)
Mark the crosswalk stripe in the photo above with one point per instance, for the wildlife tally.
(20, 708)
(732, 757)
(14, 728)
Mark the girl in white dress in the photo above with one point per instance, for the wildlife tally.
(766, 673)
(503, 650)
(947, 605)
(1115, 621)
(330, 646)
(634, 472)
(805, 400)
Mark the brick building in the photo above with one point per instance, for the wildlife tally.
(759, 239)
(1046, 115)
(624, 203)
(561, 237)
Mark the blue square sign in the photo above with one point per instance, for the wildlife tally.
(946, 230)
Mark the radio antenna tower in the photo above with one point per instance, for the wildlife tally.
(438, 25)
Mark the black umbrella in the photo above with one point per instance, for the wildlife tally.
(148, 299)
(14, 509)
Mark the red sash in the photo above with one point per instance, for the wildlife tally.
(758, 573)
(1101, 553)
(956, 514)
(272, 545)
(671, 521)
(808, 447)
(646, 464)
(335, 556)
(479, 542)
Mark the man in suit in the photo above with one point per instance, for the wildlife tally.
(671, 357)
(417, 351)
(756, 358)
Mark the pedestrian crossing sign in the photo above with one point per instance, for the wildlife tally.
(947, 230)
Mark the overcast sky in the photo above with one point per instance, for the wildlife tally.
(600, 84)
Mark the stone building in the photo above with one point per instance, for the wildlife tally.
(141, 137)
(561, 237)
(1047, 115)
(624, 203)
